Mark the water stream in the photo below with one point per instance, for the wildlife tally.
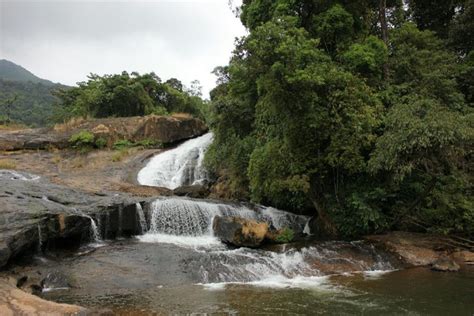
(178, 266)
(176, 167)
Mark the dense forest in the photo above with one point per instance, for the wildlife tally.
(360, 112)
(26, 102)
(25, 98)
(128, 95)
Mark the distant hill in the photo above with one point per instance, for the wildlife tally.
(34, 99)
(13, 72)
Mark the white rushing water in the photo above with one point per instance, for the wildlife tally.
(181, 221)
(176, 167)
(141, 218)
(95, 233)
(187, 223)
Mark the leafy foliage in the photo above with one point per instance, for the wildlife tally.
(127, 95)
(316, 114)
(286, 235)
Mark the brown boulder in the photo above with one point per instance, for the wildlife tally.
(415, 249)
(239, 231)
(445, 264)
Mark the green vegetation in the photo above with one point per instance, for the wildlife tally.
(286, 235)
(127, 95)
(26, 102)
(12, 72)
(359, 112)
(82, 139)
(145, 143)
(25, 98)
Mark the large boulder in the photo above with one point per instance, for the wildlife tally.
(239, 231)
(445, 264)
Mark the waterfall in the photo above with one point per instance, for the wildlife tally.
(94, 230)
(176, 167)
(141, 218)
(186, 220)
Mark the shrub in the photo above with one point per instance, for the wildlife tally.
(82, 139)
(148, 143)
(100, 142)
(122, 144)
(285, 235)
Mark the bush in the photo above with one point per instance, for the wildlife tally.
(82, 139)
(285, 235)
(100, 142)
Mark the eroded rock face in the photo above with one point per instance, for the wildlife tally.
(164, 129)
(35, 213)
(239, 231)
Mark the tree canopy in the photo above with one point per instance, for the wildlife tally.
(128, 95)
(359, 112)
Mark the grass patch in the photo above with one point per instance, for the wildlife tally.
(119, 155)
(144, 143)
(7, 164)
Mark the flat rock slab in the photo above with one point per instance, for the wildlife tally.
(16, 302)
(33, 210)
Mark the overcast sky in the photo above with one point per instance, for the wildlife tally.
(65, 40)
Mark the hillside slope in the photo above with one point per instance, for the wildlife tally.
(13, 72)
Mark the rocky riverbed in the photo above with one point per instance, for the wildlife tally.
(79, 223)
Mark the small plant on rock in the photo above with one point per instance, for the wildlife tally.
(285, 235)
(82, 139)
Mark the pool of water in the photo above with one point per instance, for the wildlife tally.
(130, 277)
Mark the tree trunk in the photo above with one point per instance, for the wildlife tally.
(323, 225)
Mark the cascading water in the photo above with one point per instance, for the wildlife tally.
(176, 167)
(141, 218)
(188, 223)
(95, 234)
(186, 217)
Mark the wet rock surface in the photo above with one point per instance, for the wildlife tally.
(445, 264)
(36, 214)
(193, 191)
(239, 231)
(417, 249)
(164, 129)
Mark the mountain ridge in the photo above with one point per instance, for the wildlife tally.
(13, 72)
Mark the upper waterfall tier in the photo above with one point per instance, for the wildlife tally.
(180, 166)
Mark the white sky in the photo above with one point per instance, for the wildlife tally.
(65, 40)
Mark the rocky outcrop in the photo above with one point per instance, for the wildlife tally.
(162, 129)
(239, 231)
(13, 301)
(417, 249)
(35, 213)
(193, 191)
(445, 264)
